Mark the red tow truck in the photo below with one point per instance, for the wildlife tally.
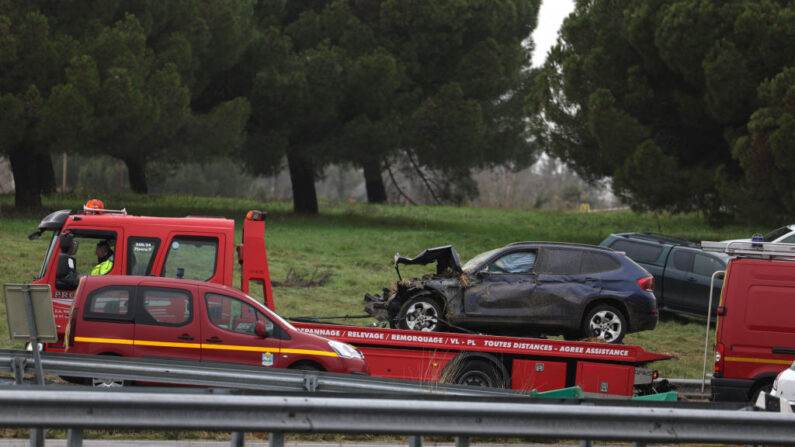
(204, 248)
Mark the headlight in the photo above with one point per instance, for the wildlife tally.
(345, 350)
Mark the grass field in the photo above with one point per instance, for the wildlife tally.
(356, 242)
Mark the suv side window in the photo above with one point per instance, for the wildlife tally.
(515, 263)
(234, 315)
(166, 307)
(561, 261)
(593, 262)
(638, 251)
(141, 253)
(109, 303)
(195, 255)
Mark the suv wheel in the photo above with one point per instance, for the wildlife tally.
(606, 323)
(420, 313)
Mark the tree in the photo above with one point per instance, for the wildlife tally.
(117, 78)
(32, 56)
(141, 74)
(460, 106)
(766, 154)
(654, 95)
(360, 82)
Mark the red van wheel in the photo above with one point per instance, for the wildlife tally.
(763, 387)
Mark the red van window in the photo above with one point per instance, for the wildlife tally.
(167, 307)
(191, 257)
(234, 315)
(109, 303)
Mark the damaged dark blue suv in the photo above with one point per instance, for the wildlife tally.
(525, 289)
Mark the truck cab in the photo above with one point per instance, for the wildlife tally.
(198, 248)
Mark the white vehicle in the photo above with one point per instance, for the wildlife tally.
(785, 234)
(782, 397)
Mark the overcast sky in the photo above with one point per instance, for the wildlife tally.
(550, 17)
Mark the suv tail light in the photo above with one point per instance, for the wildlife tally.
(719, 360)
(647, 283)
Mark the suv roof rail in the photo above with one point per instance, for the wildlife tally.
(564, 244)
(656, 237)
(752, 249)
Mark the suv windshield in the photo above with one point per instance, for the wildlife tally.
(477, 260)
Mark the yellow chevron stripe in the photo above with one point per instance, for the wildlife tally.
(311, 352)
(113, 341)
(122, 341)
(240, 348)
(755, 360)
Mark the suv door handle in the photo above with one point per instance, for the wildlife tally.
(214, 340)
(185, 337)
(691, 279)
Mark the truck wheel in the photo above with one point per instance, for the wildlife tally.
(605, 322)
(479, 372)
(420, 313)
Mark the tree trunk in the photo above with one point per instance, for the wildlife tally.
(302, 177)
(373, 182)
(137, 173)
(27, 189)
(46, 173)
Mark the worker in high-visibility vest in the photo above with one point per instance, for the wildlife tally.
(104, 258)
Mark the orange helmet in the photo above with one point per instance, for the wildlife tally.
(93, 205)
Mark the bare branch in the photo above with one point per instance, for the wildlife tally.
(394, 182)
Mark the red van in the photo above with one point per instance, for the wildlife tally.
(755, 334)
(134, 316)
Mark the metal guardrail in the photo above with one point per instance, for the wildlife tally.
(227, 375)
(68, 407)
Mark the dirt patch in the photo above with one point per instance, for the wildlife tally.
(297, 279)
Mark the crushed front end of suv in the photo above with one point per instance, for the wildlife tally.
(525, 289)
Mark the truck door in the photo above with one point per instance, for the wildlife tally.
(193, 257)
(84, 260)
(687, 279)
(166, 324)
(679, 281)
(228, 333)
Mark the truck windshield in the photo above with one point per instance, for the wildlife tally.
(50, 251)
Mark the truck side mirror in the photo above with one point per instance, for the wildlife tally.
(260, 329)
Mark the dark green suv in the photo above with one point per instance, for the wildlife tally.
(682, 271)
